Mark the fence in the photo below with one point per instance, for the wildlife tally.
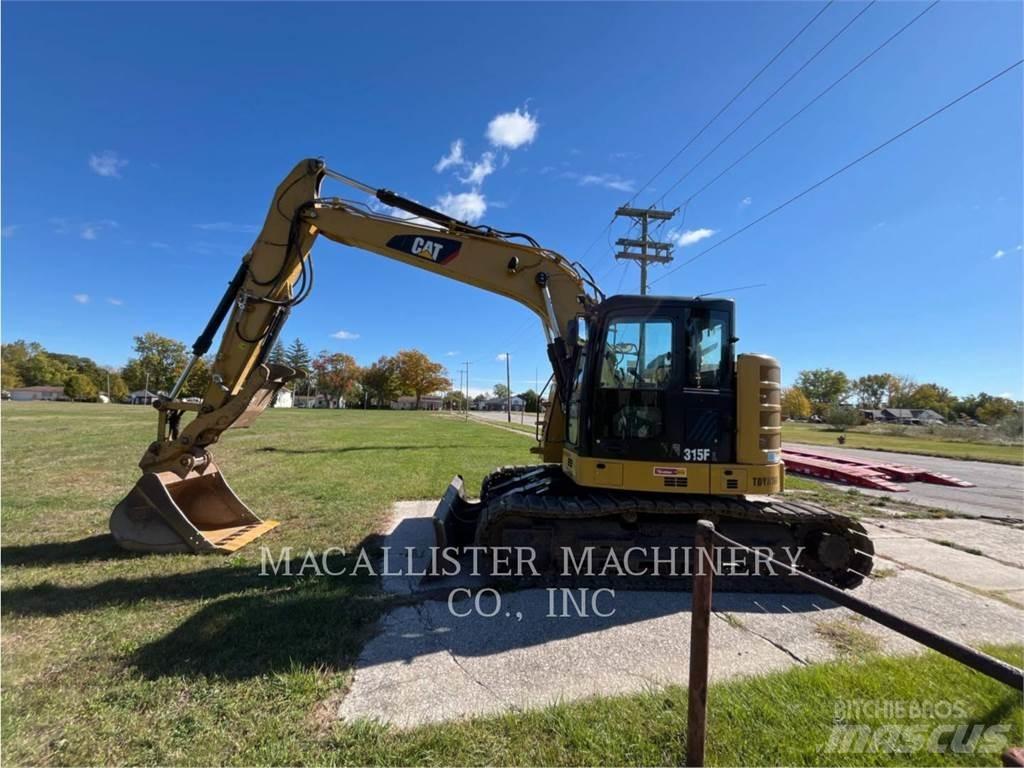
(700, 622)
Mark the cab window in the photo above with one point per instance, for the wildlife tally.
(637, 355)
(707, 347)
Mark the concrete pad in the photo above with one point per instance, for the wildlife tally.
(951, 564)
(1004, 543)
(440, 660)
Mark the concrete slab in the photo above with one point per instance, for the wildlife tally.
(1004, 543)
(440, 660)
(951, 564)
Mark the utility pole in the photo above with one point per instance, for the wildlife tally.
(651, 251)
(467, 389)
(508, 389)
(460, 379)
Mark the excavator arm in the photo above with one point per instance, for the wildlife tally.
(182, 502)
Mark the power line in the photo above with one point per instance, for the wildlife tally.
(810, 103)
(697, 135)
(771, 96)
(731, 101)
(847, 167)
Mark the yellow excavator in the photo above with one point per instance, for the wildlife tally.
(653, 420)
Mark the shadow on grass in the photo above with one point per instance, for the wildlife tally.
(101, 547)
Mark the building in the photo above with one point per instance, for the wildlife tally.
(38, 393)
(427, 403)
(912, 416)
(284, 398)
(872, 414)
(142, 397)
(500, 404)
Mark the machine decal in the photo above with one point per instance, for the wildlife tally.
(439, 250)
(670, 471)
(696, 454)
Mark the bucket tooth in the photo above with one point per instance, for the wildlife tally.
(197, 513)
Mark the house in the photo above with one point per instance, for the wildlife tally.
(912, 416)
(283, 399)
(142, 397)
(427, 403)
(319, 400)
(38, 393)
(872, 414)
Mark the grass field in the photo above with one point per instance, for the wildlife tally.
(917, 442)
(112, 658)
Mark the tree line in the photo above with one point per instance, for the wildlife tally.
(158, 361)
(826, 393)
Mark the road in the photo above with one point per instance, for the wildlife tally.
(999, 491)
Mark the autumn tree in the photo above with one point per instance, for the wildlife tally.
(872, 390)
(933, 397)
(78, 386)
(160, 358)
(336, 373)
(901, 388)
(455, 400)
(418, 375)
(795, 404)
(994, 409)
(381, 380)
(118, 389)
(500, 391)
(199, 379)
(823, 386)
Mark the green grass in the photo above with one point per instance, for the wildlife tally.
(112, 658)
(917, 443)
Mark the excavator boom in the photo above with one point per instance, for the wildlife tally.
(182, 502)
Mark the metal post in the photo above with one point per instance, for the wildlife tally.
(508, 390)
(650, 251)
(700, 626)
(467, 390)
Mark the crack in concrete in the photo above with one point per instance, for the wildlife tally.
(779, 646)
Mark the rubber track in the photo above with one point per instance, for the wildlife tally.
(798, 517)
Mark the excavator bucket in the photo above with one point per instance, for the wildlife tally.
(195, 513)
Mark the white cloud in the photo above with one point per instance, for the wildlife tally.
(344, 335)
(115, 302)
(690, 236)
(608, 181)
(999, 254)
(1019, 247)
(158, 244)
(480, 170)
(465, 206)
(107, 163)
(453, 353)
(9, 230)
(89, 232)
(454, 158)
(512, 129)
(746, 201)
(81, 298)
(227, 226)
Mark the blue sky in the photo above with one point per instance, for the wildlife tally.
(142, 141)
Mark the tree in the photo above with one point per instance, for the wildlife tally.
(78, 386)
(160, 358)
(455, 400)
(900, 389)
(298, 356)
(198, 380)
(381, 380)
(500, 391)
(42, 370)
(418, 375)
(118, 389)
(823, 386)
(277, 354)
(842, 416)
(872, 390)
(795, 404)
(932, 396)
(531, 400)
(994, 409)
(336, 373)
